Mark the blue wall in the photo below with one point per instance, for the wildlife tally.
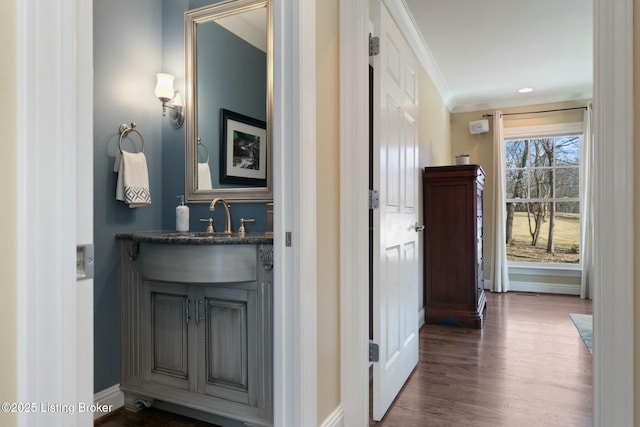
(129, 49)
(127, 54)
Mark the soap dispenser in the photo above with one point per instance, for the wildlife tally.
(182, 215)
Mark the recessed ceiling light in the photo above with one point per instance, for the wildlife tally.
(525, 90)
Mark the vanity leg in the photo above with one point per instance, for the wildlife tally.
(135, 403)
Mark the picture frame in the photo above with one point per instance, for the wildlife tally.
(243, 150)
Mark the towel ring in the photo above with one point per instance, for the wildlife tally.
(200, 144)
(125, 130)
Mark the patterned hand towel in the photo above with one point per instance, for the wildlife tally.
(133, 180)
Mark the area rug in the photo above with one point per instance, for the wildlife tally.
(584, 324)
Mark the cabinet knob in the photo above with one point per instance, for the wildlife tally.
(418, 227)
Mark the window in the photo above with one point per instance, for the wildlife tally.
(543, 197)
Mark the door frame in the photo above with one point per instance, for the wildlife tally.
(613, 123)
(354, 211)
(46, 208)
(294, 180)
(613, 301)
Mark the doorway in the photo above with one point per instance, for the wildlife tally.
(613, 84)
(46, 348)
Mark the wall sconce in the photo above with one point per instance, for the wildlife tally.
(170, 99)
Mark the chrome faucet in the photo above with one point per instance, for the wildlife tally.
(225, 205)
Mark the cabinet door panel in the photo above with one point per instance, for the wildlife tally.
(229, 368)
(227, 338)
(166, 334)
(169, 334)
(447, 214)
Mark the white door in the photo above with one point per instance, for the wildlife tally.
(395, 240)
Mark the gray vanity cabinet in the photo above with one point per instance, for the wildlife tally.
(202, 338)
(203, 343)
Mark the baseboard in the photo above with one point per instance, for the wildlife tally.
(335, 419)
(110, 397)
(421, 318)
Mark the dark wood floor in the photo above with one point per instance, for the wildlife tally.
(527, 367)
(148, 417)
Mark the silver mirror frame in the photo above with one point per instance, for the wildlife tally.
(192, 19)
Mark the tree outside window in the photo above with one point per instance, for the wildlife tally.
(543, 199)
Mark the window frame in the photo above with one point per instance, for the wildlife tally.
(542, 131)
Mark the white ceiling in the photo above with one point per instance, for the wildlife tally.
(483, 51)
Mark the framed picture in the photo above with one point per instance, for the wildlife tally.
(243, 149)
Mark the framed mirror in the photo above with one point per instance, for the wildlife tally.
(228, 60)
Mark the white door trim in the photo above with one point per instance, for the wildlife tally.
(294, 160)
(613, 126)
(354, 230)
(51, 90)
(614, 336)
(84, 206)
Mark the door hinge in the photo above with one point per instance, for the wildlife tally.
(287, 238)
(374, 199)
(374, 45)
(374, 352)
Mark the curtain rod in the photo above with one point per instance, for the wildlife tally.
(537, 112)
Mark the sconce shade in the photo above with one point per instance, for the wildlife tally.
(170, 99)
(164, 86)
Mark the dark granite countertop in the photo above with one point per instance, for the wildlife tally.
(169, 237)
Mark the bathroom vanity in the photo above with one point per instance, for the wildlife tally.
(196, 324)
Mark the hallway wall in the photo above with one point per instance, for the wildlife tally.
(435, 149)
(328, 205)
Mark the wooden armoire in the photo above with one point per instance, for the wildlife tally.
(453, 245)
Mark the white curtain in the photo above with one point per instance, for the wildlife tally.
(499, 269)
(586, 210)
